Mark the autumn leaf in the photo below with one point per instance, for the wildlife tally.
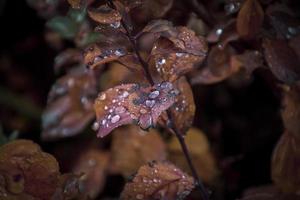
(177, 54)
(98, 54)
(183, 110)
(92, 164)
(200, 151)
(132, 103)
(218, 67)
(250, 19)
(137, 148)
(285, 160)
(70, 105)
(282, 60)
(159, 181)
(24, 167)
(105, 15)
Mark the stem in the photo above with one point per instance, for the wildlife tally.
(187, 156)
(178, 134)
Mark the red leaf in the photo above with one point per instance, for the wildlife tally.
(125, 104)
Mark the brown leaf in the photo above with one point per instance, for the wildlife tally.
(76, 4)
(291, 110)
(93, 164)
(282, 60)
(98, 54)
(201, 154)
(129, 103)
(105, 15)
(70, 105)
(285, 163)
(24, 167)
(158, 181)
(248, 61)
(178, 54)
(133, 147)
(218, 67)
(183, 110)
(67, 58)
(250, 19)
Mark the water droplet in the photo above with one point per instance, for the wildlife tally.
(232, 7)
(115, 119)
(103, 122)
(154, 94)
(71, 82)
(150, 103)
(114, 101)
(179, 54)
(166, 85)
(97, 59)
(119, 52)
(219, 31)
(95, 126)
(115, 25)
(111, 110)
(105, 107)
(155, 180)
(155, 171)
(102, 96)
(139, 196)
(161, 61)
(125, 94)
(120, 109)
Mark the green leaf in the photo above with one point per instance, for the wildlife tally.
(78, 15)
(65, 26)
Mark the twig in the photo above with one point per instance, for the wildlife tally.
(179, 135)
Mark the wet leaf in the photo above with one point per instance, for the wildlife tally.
(76, 4)
(24, 167)
(160, 180)
(250, 19)
(105, 15)
(132, 103)
(218, 67)
(176, 55)
(98, 54)
(92, 164)
(201, 154)
(136, 148)
(282, 60)
(70, 105)
(183, 110)
(285, 162)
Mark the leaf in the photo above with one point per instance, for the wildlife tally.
(183, 110)
(70, 105)
(76, 4)
(66, 58)
(291, 109)
(176, 55)
(250, 19)
(24, 167)
(136, 148)
(201, 154)
(93, 164)
(248, 61)
(218, 67)
(105, 15)
(132, 103)
(282, 60)
(160, 180)
(98, 54)
(66, 27)
(285, 162)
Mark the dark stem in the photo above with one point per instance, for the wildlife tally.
(179, 135)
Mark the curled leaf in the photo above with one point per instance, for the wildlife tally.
(158, 181)
(285, 162)
(282, 60)
(200, 151)
(250, 19)
(70, 105)
(129, 103)
(133, 147)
